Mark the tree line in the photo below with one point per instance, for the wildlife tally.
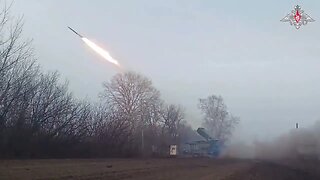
(39, 116)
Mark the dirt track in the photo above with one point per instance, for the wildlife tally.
(114, 169)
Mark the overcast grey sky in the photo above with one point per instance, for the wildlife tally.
(267, 71)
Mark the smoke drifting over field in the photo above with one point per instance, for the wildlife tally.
(296, 144)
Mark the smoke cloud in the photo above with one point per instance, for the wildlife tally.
(302, 143)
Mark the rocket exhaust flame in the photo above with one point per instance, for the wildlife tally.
(96, 48)
(100, 51)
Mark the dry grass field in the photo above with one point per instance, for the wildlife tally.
(141, 169)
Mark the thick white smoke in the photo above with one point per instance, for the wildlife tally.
(303, 143)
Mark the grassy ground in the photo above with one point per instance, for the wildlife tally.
(111, 169)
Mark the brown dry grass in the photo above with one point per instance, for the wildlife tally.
(111, 169)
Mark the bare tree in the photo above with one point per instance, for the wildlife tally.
(134, 101)
(172, 117)
(34, 107)
(217, 119)
(129, 92)
(17, 74)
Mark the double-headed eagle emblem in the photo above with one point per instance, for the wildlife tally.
(297, 17)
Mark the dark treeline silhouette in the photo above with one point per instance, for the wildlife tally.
(39, 117)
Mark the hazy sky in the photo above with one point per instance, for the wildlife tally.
(267, 71)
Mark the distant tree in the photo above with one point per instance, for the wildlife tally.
(173, 116)
(130, 93)
(217, 120)
(135, 103)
